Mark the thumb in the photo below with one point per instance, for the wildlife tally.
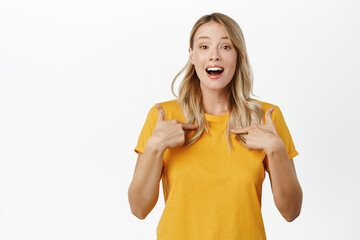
(161, 112)
(268, 119)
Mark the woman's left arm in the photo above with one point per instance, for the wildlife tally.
(284, 183)
(285, 186)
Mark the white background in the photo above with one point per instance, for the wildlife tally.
(77, 79)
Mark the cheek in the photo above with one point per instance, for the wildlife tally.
(199, 62)
(198, 69)
(200, 59)
(232, 62)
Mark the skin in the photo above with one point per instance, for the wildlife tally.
(285, 186)
(213, 47)
(143, 191)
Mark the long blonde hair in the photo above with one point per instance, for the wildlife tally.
(244, 111)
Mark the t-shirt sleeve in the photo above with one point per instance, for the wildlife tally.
(147, 129)
(283, 133)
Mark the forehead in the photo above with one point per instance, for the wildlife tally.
(210, 30)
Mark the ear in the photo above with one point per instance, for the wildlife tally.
(191, 56)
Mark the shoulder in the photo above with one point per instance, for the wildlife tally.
(266, 105)
(171, 105)
(277, 114)
(172, 109)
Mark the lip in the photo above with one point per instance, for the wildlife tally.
(214, 76)
(218, 66)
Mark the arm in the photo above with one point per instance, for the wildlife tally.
(284, 183)
(285, 186)
(144, 189)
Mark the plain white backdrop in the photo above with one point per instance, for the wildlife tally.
(77, 79)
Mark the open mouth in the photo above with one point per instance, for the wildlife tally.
(214, 71)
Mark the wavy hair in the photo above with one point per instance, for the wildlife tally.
(244, 111)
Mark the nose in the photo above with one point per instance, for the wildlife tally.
(214, 56)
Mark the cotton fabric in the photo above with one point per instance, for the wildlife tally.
(210, 193)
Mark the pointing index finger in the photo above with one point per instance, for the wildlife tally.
(188, 126)
(240, 130)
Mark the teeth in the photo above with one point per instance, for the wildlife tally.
(214, 69)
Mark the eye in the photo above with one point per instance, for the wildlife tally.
(226, 47)
(203, 47)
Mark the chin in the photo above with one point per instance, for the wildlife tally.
(215, 86)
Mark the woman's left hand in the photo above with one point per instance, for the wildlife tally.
(262, 136)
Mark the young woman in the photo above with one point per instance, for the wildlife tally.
(212, 145)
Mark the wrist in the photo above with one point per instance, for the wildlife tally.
(277, 146)
(155, 144)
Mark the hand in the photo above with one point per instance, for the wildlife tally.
(262, 136)
(170, 134)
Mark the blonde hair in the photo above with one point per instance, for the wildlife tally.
(244, 111)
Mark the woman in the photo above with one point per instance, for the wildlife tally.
(212, 146)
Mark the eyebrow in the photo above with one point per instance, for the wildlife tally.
(206, 37)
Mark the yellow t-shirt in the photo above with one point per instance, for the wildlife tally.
(210, 193)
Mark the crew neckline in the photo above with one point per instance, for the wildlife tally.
(216, 118)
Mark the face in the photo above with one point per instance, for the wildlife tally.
(213, 56)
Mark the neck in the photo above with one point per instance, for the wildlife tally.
(216, 102)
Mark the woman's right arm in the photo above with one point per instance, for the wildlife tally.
(144, 188)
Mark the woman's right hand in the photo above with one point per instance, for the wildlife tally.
(169, 134)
